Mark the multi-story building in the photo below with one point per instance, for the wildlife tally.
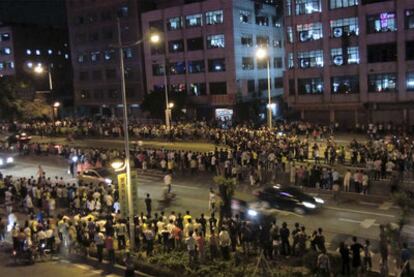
(209, 49)
(93, 35)
(350, 61)
(24, 47)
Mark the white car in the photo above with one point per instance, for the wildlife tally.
(6, 160)
(97, 176)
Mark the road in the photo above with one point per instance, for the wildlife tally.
(339, 221)
(61, 268)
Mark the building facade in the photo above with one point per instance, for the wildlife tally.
(209, 49)
(93, 35)
(24, 48)
(350, 61)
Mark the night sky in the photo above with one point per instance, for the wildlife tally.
(39, 12)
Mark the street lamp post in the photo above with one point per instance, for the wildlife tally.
(40, 70)
(156, 39)
(261, 54)
(55, 108)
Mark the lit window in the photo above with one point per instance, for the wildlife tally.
(123, 11)
(81, 58)
(216, 65)
(310, 86)
(176, 46)
(158, 70)
(410, 81)
(384, 82)
(66, 56)
(28, 52)
(108, 54)
(344, 27)
(194, 20)
(30, 65)
(338, 58)
(6, 51)
(215, 41)
(176, 68)
(262, 20)
(5, 37)
(291, 62)
(289, 31)
(288, 9)
(310, 59)
(174, 23)
(37, 52)
(214, 17)
(344, 85)
(262, 41)
(307, 6)
(178, 88)
(50, 52)
(198, 89)
(409, 19)
(245, 16)
(310, 31)
(95, 56)
(1, 66)
(383, 22)
(336, 4)
(128, 53)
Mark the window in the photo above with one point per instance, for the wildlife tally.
(310, 86)
(262, 20)
(383, 22)
(123, 11)
(409, 19)
(344, 85)
(128, 53)
(310, 31)
(110, 74)
(9, 65)
(174, 23)
(276, 22)
(310, 59)
(384, 82)
(37, 52)
(216, 65)
(278, 62)
(288, 7)
(50, 51)
(157, 25)
(81, 58)
(194, 44)
(247, 63)
(336, 4)
(178, 88)
(262, 41)
(157, 49)
(28, 52)
(378, 53)
(277, 43)
(176, 46)
(364, 2)
(262, 86)
(261, 63)
(215, 41)
(278, 82)
(194, 20)
(198, 89)
(109, 54)
(246, 40)
(292, 89)
(410, 81)
(251, 86)
(158, 70)
(113, 94)
(83, 76)
(351, 57)
(96, 75)
(307, 6)
(409, 50)
(245, 16)
(289, 31)
(176, 68)
(98, 94)
(218, 88)
(214, 17)
(344, 27)
(5, 51)
(107, 34)
(95, 56)
(94, 36)
(106, 16)
(291, 62)
(5, 37)
(84, 94)
(196, 66)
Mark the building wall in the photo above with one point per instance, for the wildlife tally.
(377, 106)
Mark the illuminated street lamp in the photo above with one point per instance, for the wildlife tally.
(261, 54)
(40, 69)
(155, 38)
(55, 108)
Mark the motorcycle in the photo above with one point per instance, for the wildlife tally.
(23, 256)
(43, 252)
(168, 198)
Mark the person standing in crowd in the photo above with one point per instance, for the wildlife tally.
(356, 248)
(148, 204)
(345, 259)
(405, 260)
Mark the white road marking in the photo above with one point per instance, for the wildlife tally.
(368, 203)
(385, 206)
(367, 223)
(359, 212)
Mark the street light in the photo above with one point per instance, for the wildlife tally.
(155, 38)
(39, 69)
(261, 54)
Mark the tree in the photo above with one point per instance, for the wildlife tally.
(9, 106)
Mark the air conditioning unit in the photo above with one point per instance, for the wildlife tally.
(304, 36)
(338, 60)
(304, 63)
(337, 32)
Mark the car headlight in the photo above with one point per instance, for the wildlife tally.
(252, 213)
(108, 181)
(309, 205)
(319, 200)
(9, 160)
(1, 162)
